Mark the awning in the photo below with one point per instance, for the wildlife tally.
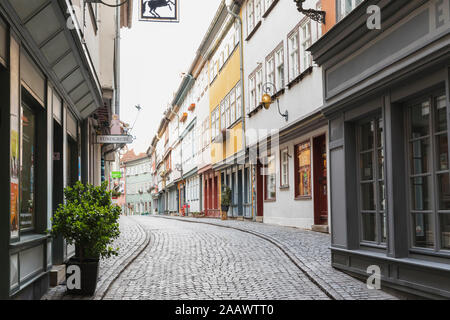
(58, 50)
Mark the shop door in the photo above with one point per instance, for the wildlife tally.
(320, 181)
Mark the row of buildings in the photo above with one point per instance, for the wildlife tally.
(351, 137)
(59, 63)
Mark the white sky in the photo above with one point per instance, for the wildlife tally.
(153, 56)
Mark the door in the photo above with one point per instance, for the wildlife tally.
(320, 181)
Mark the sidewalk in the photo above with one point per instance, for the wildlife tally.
(133, 238)
(310, 251)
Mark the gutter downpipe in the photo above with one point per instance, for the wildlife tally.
(241, 52)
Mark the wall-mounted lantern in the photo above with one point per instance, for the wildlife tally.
(267, 99)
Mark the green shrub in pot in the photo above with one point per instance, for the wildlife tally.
(89, 220)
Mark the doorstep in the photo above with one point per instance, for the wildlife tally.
(57, 275)
(259, 219)
(320, 228)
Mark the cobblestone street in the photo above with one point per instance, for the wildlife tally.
(165, 258)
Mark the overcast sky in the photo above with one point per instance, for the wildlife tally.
(153, 56)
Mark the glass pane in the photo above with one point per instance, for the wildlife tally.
(444, 191)
(366, 166)
(27, 176)
(381, 196)
(420, 116)
(419, 156)
(367, 196)
(369, 227)
(420, 193)
(442, 152)
(424, 230)
(380, 164)
(304, 170)
(445, 231)
(367, 136)
(441, 115)
(383, 227)
(380, 133)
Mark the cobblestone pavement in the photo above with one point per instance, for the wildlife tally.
(310, 250)
(210, 259)
(198, 261)
(133, 238)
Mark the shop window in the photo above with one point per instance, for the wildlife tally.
(429, 177)
(270, 179)
(27, 185)
(372, 193)
(303, 170)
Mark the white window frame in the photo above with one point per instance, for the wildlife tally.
(279, 68)
(305, 43)
(284, 174)
(293, 56)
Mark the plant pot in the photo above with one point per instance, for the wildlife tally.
(88, 276)
(224, 212)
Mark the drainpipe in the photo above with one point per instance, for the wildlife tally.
(241, 52)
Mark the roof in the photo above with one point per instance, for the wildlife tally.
(131, 156)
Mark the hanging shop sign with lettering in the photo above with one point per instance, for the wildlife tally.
(159, 10)
(115, 139)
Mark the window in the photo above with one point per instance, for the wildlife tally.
(279, 64)
(259, 84)
(228, 111)
(27, 168)
(215, 125)
(284, 168)
(293, 56)
(306, 41)
(238, 101)
(223, 117)
(372, 197)
(257, 11)
(233, 105)
(303, 170)
(270, 71)
(429, 177)
(252, 87)
(250, 16)
(267, 4)
(270, 179)
(344, 7)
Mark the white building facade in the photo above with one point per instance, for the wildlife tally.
(289, 180)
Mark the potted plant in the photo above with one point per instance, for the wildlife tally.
(89, 220)
(225, 201)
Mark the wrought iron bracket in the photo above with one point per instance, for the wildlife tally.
(316, 15)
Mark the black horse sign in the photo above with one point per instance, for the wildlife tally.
(159, 10)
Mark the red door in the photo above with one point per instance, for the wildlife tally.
(320, 181)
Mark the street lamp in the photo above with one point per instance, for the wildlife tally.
(267, 99)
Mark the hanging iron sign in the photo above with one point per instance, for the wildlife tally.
(159, 10)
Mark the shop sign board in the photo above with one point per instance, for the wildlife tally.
(114, 139)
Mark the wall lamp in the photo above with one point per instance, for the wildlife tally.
(316, 15)
(267, 99)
